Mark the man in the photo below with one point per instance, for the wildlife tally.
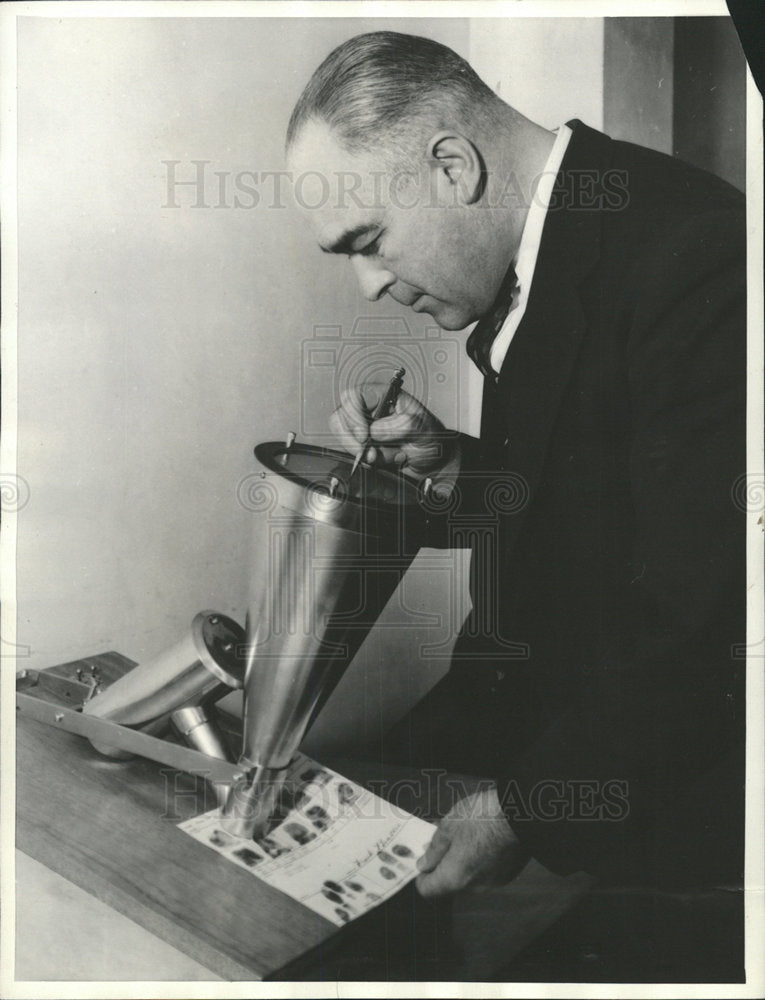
(595, 680)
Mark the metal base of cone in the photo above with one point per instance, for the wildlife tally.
(251, 802)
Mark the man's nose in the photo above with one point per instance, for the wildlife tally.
(373, 279)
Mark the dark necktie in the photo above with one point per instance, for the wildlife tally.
(486, 329)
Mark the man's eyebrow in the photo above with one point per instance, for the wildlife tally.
(344, 243)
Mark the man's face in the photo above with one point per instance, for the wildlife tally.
(406, 233)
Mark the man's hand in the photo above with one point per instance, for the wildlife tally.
(411, 437)
(474, 845)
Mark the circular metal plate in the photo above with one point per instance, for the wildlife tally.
(219, 641)
(316, 482)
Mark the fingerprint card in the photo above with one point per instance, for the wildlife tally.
(335, 847)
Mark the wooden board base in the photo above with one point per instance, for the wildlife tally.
(111, 828)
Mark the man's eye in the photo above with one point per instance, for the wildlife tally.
(370, 249)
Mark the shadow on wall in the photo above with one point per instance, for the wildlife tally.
(710, 97)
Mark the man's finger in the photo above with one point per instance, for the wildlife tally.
(346, 436)
(353, 423)
(447, 877)
(396, 427)
(435, 851)
(364, 397)
(388, 456)
(406, 403)
(353, 407)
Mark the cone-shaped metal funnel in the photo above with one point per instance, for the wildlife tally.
(330, 550)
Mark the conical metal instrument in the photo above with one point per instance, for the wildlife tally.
(330, 550)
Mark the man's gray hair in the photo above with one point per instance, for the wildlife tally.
(379, 91)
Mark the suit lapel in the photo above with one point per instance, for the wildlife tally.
(541, 358)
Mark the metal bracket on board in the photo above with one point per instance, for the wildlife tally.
(112, 734)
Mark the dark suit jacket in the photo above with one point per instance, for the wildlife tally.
(603, 653)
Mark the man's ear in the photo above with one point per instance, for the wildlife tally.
(458, 167)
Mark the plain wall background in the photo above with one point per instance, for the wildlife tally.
(550, 69)
(157, 345)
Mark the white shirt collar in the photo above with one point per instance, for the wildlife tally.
(528, 249)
